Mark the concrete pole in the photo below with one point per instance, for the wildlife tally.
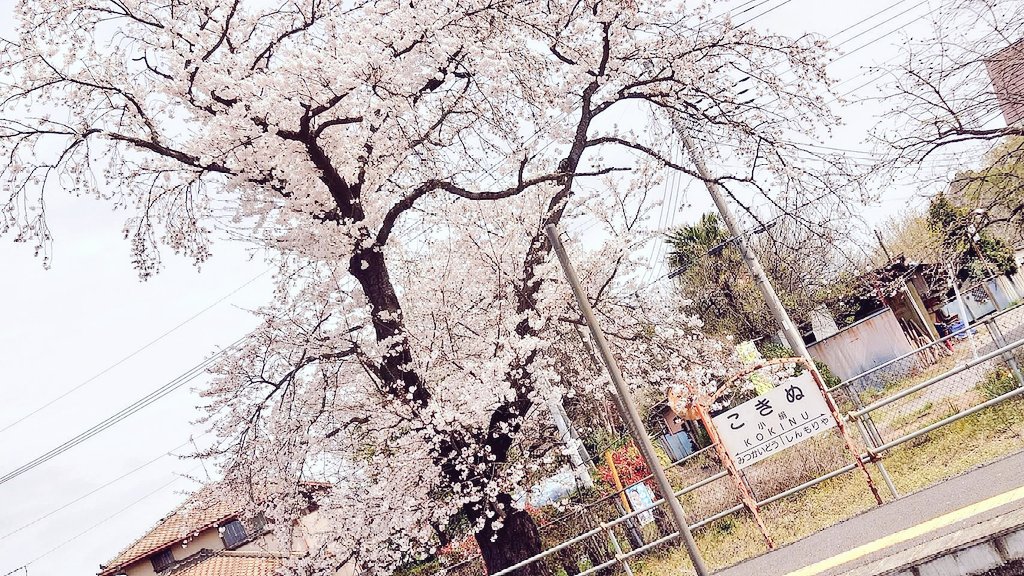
(581, 449)
(579, 467)
(771, 297)
(631, 415)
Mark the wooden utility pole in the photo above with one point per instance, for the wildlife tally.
(888, 257)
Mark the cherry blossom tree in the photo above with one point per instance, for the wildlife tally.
(401, 160)
(944, 106)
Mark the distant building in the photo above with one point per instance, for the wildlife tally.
(207, 537)
(1006, 70)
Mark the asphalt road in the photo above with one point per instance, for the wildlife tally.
(972, 487)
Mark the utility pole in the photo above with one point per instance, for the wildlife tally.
(579, 466)
(771, 297)
(881, 242)
(631, 415)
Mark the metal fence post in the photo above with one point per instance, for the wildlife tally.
(625, 397)
(866, 424)
(869, 441)
(636, 539)
(618, 552)
(1008, 357)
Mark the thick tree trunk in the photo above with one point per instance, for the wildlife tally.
(517, 540)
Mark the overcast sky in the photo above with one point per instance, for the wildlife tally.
(63, 326)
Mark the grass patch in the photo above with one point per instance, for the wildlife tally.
(996, 383)
(955, 448)
(735, 538)
(913, 417)
(918, 375)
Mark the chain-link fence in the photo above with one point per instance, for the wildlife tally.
(612, 525)
(939, 380)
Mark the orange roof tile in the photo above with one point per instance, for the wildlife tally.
(196, 514)
(233, 564)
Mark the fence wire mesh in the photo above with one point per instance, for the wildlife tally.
(931, 384)
(711, 497)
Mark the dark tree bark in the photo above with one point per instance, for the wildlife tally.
(517, 539)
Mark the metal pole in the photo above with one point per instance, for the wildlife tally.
(631, 413)
(771, 297)
(636, 539)
(963, 312)
(618, 552)
(1009, 358)
(870, 443)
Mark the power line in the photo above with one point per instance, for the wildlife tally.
(133, 354)
(116, 418)
(763, 227)
(875, 77)
(862, 21)
(847, 29)
(868, 43)
(870, 17)
(667, 193)
(755, 6)
(755, 17)
(105, 520)
(93, 491)
(893, 31)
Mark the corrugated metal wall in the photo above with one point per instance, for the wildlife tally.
(863, 345)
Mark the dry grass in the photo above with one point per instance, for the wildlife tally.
(958, 447)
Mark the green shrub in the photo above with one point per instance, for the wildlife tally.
(996, 383)
(772, 350)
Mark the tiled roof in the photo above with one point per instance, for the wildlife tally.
(233, 564)
(198, 513)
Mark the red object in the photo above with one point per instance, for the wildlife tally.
(630, 465)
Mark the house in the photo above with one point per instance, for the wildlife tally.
(205, 536)
(896, 309)
(678, 437)
(889, 314)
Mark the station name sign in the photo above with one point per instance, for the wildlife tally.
(782, 417)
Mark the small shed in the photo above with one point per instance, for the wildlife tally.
(861, 346)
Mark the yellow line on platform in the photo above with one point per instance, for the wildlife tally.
(912, 532)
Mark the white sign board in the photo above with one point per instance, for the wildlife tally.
(785, 415)
(640, 496)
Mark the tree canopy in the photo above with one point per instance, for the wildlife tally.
(399, 161)
(805, 266)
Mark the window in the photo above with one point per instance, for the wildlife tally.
(162, 560)
(234, 534)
